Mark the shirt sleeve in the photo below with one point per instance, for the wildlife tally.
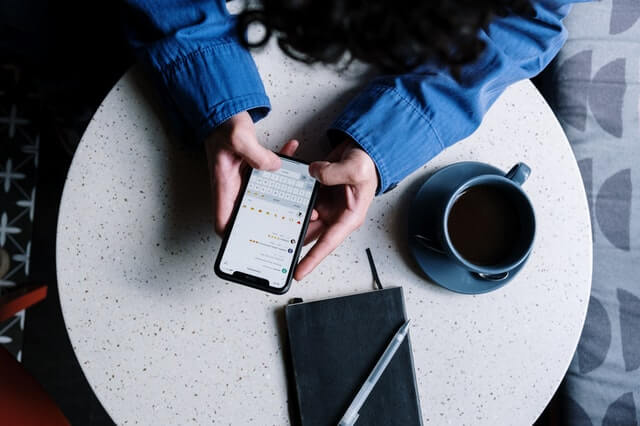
(192, 52)
(403, 121)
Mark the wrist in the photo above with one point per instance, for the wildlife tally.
(224, 131)
(368, 167)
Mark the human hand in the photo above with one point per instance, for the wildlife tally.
(230, 148)
(350, 181)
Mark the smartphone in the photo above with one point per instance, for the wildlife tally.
(266, 232)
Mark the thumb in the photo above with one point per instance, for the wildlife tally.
(255, 154)
(330, 174)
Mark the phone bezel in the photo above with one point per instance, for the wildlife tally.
(299, 245)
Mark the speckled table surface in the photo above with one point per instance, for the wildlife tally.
(162, 340)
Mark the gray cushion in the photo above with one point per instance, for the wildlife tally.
(594, 88)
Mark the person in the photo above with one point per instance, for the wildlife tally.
(442, 65)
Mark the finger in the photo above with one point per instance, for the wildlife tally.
(313, 231)
(255, 154)
(290, 148)
(332, 173)
(225, 185)
(314, 215)
(225, 195)
(327, 242)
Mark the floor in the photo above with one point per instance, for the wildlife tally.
(57, 62)
(33, 165)
(19, 159)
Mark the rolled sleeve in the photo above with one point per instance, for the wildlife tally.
(403, 121)
(211, 84)
(191, 50)
(378, 119)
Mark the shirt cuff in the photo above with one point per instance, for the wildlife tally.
(209, 85)
(395, 133)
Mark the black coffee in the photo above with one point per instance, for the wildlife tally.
(483, 225)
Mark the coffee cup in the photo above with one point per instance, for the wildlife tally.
(486, 224)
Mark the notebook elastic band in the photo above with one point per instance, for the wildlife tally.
(374, 271)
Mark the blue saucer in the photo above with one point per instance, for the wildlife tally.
(422, 219)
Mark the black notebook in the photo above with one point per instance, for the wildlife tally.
(335, 344)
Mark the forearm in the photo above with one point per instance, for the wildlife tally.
(404, 121)
(191, 50)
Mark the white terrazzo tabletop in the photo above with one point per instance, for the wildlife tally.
(163, 341)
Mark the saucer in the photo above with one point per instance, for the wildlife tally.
(439, 268)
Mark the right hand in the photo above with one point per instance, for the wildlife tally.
(349, 182)
(230, 148)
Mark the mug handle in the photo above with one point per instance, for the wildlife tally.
(519, 173)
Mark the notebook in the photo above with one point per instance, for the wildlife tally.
(334, 344)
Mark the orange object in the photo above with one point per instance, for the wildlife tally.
(23, 402)
(21, 298)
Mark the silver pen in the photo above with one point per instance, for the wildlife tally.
(351, 415)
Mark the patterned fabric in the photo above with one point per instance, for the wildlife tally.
(595, 92)
(19, 146)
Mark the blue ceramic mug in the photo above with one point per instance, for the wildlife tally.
(510, 188)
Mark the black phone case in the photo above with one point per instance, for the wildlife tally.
(296, 255)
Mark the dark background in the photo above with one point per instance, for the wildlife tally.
(66, 54)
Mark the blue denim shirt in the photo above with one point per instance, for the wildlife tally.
(402, 121)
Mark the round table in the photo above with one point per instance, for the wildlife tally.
(162, 340)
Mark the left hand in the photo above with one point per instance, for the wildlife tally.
(230, 148)
(349, 180)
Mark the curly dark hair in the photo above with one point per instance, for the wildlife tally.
(394, 35)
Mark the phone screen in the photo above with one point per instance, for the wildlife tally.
(269, 222)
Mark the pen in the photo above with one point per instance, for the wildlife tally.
(351, 415)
